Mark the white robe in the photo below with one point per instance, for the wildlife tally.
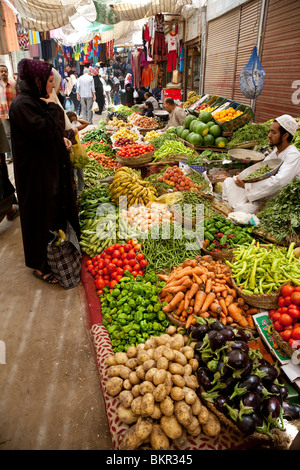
(248, 199)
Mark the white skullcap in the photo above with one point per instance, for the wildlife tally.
(288, 123)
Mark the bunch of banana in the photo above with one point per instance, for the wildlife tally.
(62, 237)
(127, 183)
(191, 99)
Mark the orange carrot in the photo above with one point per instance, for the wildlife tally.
(216, 289)
(189, 322)
(240, 301)
(180, 307)
(199, 301)
(163, 277)
(174, 290)
(250, 321)
(188, 271)
(175, 301)
(168, 298)
(252, 311)
(197, 279)
(204, 315)
(229, 299)
(223, 305)
(208, 286)
(237, 314)
(215, 307)
(208, 301)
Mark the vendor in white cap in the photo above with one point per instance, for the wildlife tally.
(246, 197)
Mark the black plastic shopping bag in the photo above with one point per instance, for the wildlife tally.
(64, 258)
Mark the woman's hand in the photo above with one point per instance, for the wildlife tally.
(68, 143)
(50, 99)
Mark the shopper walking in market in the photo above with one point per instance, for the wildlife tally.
(100, 98)
(8, 92)
(86, 95)
(7, 191)
(43, 172)
(247, 197)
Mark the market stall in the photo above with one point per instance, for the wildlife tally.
(195, 315)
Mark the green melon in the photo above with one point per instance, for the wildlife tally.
(206, 116)
(188, 120)
(221, 142)
(195, 139)
(193, 124)
(190, 136)
(210, 123)
(184, 134)
(179, 130)
(201, 128)
(215, 130)
(208, 140)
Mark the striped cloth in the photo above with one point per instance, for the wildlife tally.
(127, 11)
(45, 15)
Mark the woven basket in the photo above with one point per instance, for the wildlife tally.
(223, 254)
(228, 423)
(267, 301)
(136, 161)
(283, 345)
(246, 145)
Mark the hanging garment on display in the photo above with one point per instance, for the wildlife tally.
(10, 28)
(136, 68)
(160, 48)
(22, 35)
(155, 70)
(181, 59)
(147, 76)
(172, 43)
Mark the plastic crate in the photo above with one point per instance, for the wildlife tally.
(240, 121)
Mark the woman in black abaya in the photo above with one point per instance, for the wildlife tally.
(43, 172)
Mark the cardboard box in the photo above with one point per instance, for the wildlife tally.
(177, 77)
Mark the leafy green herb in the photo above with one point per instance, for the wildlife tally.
(250, 132)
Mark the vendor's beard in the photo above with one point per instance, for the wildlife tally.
(276, 145)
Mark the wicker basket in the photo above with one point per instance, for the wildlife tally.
(228, 423)
(222, 255)
(246, 145)
(136, 161)
(267, 301)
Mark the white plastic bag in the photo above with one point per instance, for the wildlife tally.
(95, 107)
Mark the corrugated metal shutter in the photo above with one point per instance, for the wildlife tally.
(281, 61)
(250, 13)
(222, 37)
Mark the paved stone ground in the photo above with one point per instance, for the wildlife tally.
(50, 395)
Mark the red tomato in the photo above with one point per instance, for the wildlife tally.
(271, 313)
(276, 316)
(297, 289)
(296, 333)
(120, 271)
(113, 283)
(114, 261)
(100, 292)
(138, 247)
(105, 271)
(285, 319)
(132, 262)
(118, 246)
(116, 254)
(111, 267)
(100, 283)
(295, 298)
(136, 267)
(90, 267)
(123, 255)
(128, 268)
(131, 254)
(140, 273)
(282, 309)
(93, 272)
(287, 290)
(101, 264)
(119, 263)
(278, 326)
(122, 249)
(287, 301)
(110, 249)
(140, 256)
(125, 262)
(134, 273)
(106, 261)
(114, 275)
(143, 263)
(118, 278)
(281, 301)
(294, 313)
(286, 334)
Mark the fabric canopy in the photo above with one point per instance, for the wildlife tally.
(45, 15)
(132, 11)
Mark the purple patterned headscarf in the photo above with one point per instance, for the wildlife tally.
(30, 69)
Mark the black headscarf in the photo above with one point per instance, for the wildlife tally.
(29, 70)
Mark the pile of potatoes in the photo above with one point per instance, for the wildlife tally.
(156, 386)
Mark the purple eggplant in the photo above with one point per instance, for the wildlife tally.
(217, 325)
(250, 383)
(243, 336)
(272, 408)
(269, 374)
(217, 341)
(290, 410)
(246, 424)
(228, 334)
(205, 377)
(199, 332)
(242, 345)
(220, 403)
(252, 399)
(258, 419)
(237, 359)
(223, 370)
